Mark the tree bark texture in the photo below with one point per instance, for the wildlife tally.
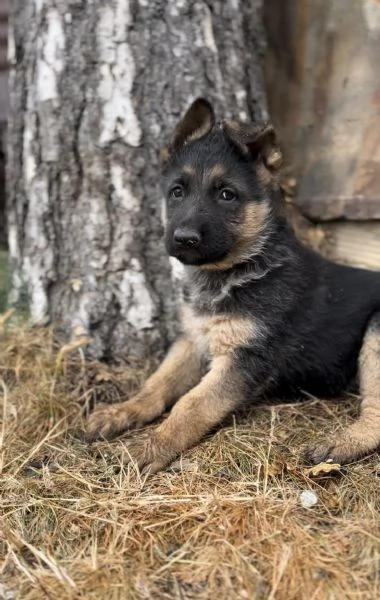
(95, 89)
(2, 188)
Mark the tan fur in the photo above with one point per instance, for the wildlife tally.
(260, 139)
(235, 125)
(196, 413)
(250, 236)
(369, 366)
(201, 408)
(216, 172)
(254, 222)
(200, 132)
(218, 335)
(363, 436)
(274, 159)
(189, 170)
(265, 176)
(179, 372)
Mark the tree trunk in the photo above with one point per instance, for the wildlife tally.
(95, 88)
(2, 189)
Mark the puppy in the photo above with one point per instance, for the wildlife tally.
(261, 313)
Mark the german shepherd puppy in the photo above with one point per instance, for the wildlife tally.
(261, 313)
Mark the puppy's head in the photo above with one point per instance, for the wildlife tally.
(216, 180)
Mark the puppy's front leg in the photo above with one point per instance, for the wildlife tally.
(179, 372)
(205, 406)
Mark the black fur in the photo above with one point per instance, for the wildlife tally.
(263, 314)
(312, 313)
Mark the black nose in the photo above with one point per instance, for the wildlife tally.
(187, 237)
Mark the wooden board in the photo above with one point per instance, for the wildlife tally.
(322, 76)
(353, 243)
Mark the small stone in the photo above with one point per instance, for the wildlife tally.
(308, 499)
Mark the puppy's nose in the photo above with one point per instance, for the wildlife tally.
(187, 237)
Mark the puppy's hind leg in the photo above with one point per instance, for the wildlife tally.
(363, 436)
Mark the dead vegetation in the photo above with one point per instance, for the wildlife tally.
(226, 521)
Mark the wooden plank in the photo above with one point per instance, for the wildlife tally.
(4, 7)
(353, 243)
(353, 208)
(324, 97)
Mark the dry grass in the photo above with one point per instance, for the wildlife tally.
(224, 523)
(3, 278)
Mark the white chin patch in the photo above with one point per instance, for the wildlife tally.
(178, 269)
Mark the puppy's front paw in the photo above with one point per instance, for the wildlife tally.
(150, 452)
(108, 421)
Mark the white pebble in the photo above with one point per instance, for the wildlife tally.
(308, 499)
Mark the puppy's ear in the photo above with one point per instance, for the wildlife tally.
(197, 122)
(260, 141)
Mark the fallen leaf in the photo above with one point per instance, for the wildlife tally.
(323, 469)
(280, 466)
(276, 468)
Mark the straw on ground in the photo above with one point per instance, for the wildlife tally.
(225, 521)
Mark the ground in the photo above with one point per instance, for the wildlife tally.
(226, 521)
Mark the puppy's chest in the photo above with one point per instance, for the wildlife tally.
(218, 335)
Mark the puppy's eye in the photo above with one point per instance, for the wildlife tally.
(227, 195)
(176, 192)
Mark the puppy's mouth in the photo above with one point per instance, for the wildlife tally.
(196, 256)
